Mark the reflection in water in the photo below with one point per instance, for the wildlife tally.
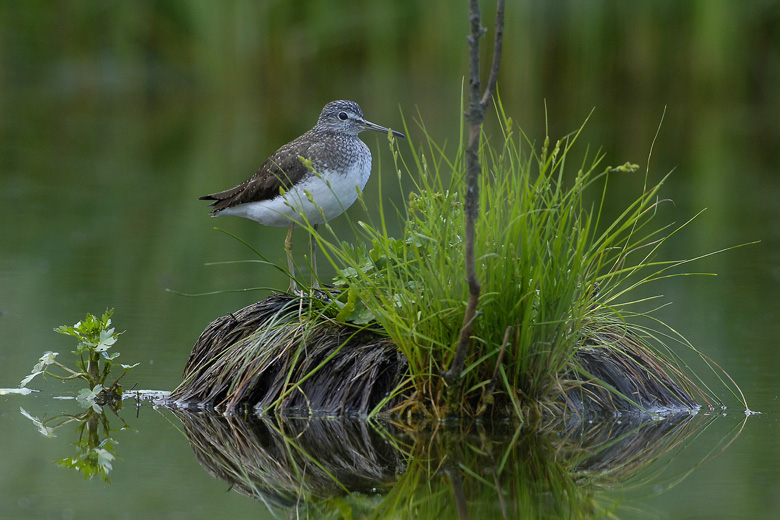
(313, 467)
(281, 463)
(95, 446)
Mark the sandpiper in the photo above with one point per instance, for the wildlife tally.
(285, 191)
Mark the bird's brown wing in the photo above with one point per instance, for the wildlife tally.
(282, 170)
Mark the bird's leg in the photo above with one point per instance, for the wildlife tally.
(312, 250)
(290, 267)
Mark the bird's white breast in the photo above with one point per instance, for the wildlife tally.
(319, 197)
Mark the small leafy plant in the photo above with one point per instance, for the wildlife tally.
(95, 449)
(95, 338)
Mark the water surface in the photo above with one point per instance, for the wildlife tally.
(113, 120)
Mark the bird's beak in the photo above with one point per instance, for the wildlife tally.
(368, 125)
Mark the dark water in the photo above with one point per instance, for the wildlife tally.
(115, 118)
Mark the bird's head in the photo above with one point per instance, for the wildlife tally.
(346, 117)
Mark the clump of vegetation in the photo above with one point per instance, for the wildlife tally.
(95, 338)
(551, 271)
(555, 323)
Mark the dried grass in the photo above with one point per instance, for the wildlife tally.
(280, 356)
(274, 355)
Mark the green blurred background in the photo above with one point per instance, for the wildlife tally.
(115, 116)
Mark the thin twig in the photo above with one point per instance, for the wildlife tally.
(497, 45)
(475, 116)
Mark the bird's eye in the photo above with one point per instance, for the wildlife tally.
(343, 116)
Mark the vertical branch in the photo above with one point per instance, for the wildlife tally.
(497, 46)
(478, 103)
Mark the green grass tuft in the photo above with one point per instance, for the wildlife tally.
(551, 270)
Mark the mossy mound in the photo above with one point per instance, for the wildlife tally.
(274, 355)
(268, 355)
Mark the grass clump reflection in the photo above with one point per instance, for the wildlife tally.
(344, 468)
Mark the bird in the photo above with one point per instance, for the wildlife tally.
(308, 181)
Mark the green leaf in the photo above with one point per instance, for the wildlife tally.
(355, 311)
(88, 397)
(45, 360)
(346, 312)
(106, 340)
(29, 378)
